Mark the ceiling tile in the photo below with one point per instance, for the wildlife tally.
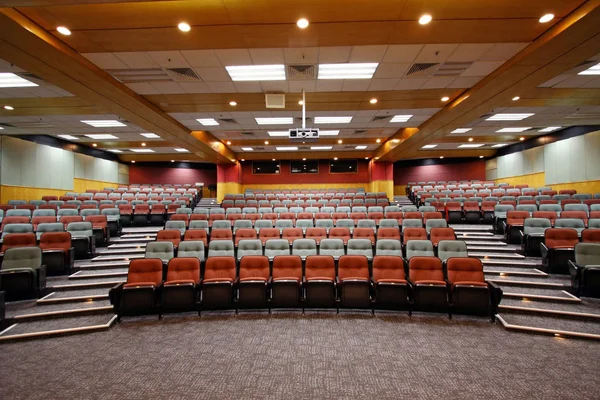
(221, 87)
(194, 87)
(435, 53)
(438, 82)
(303, 55)
(266, 56)
(355, 85)
(465, 81)
(367, 54)
(482, 68)
(274, 86)
(143, 88)
(248, 87)
(136, 60)
(410, 83)
(213, 74)
(503, 51)
(391, 70)
(105, 60)
(383, 84)
(575, 81)
(297, 86)
(402, 53)
(329, 85)
(332, 55)
(169, 59)
(470, 52)
(167, 87)
(556, 80)
(234, 57)
(201, 58)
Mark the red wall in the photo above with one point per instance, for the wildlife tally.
(152, 174)
(285, 177)
(472, 170)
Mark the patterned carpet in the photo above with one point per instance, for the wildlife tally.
(316, 356)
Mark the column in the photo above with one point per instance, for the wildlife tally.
(228, 180)
(382, 178)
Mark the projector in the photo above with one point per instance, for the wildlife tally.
(304, 133)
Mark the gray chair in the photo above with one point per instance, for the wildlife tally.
(16, 202)
(304, 224)
(424, 209)
(409, 208)
(262, 223)
(595, 207)
(594, 223)
(551, 207)
(375, 209)
(530, 208)
(199, 210)
(574, 223)
(199, 224)
(49, 227)
(17, 228)
(533, 235)
(43, 213)
(367, 223)
(249, 247)
(304, 248)
(391, 209)
(212, 211)
(361, 247)
(222, 224)
(500, 211)
(86, 213)
(332, 247)
(389, 223)
(162, 250)
(419, 248)
(582, 196)
(577, 207)
(265, 210)
(219, 248)
(345, 223)
(277, 247)
(18, 213)
(451, 248)
(282, 224)
(82, 238)
(324, 223)
(191, 248)
(241, 224)
(585, 271)
(179, 225)
(411, 223)
(37, 203)
(22, 273)
(388, 247)
(435, 223)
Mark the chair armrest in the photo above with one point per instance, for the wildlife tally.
(575, 271)
(544, 250)
(496, 295)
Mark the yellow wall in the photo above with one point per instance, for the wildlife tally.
(581, 187)
(386, 186)
(400, 190)
(224, 188)
(32, 193)
(538, 180)
(81, 185)
(533, 180)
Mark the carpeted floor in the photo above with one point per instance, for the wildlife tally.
(316, 356)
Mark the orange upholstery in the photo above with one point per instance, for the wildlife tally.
(252, 217)
(14, 220)
(67, 219)
(357, 215)
(340, 233)
(413, 215)
(594, 214)
(364, 233)
(172, 208)
(55, 241)
(18, 240)
(488, 205)
(215, 217)
(180, 217)
(49, 198)
(319, 268)
(269, 216)
(322, 215)
(516, 218)
(563, 203)
(590, 235)
(219, 269)
(287, 267)
(268, 233)
(397, 215)
(316, 233)
(582, 215)
(196, 234)
(234, 217)
(29, 207)
(432, 215)
(465, 270)
(221, 234)
(414, 234)
(254, 268)
(288, 215)
(376, 216)
(183, 270)
(560, 238)
(92, 207)
(35, 221)
(453, 206)
(158, 209)
(426, 270)
(244, 233)
(292, 234)
(353, 267)
(304, 215)
(388, 269)
(125, 209)
(339, 215)
(438, 234)
(169, 235)
(551, 215)
(470, 206)
(570, 192)
(198, 217)
(98, 221)
(144, 271)
(388, 233)
(52, 206)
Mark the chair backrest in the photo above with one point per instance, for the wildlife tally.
(179, 225)
(439, 234)
(319, 267)
(18, 240)
(425, 269)
(411, 223)
(145, 270)
(219, 268)
(286, 266)
(465, 270)
(304, 247)
(536, 225)
(587, 254)
(574, 223)
(184, 269)
(388, 267)
(277, 247)
(252, 267)
(590, 235)
(18, 213)
(162, 250)
(451, 248)
(341, 233)
(435, 223)
(17, 228)
(249, 247)
(362, 247)
(352, 267)
(221, 248)
(191, 248)
(388, 247)
(43, 213)
(22, 257)
(414, 234)
(417, 248)
(332, 247)
(560, 237)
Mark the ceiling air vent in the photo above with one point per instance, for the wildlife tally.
(452, 68)
(275, 100)
(300, 72)
(422, 69)
(247, 133)
(140, 75)
(182, 74)
(259, 148)
(303, 148)
(227, 120)
(351, 147)
(360, 131)
(380, 118)
(30, 76)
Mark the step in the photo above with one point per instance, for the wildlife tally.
(125, 252)
(558, 327)
(141, 229)
(477, 235)
(57, 327)
(97, 283)
(514, 281)
(139, 236)
(132, 245)
(34, 311)
(495, 255)
(100, 273)
(583, 310)
(133, 240)
(506, 263)
(496, 245)
(491, 250)
(100, 265)
(73, 296)
(538, 294)
(527, 272)
(472, 228)
(117, 257)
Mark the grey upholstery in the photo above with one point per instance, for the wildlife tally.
(534, 226)
(277, 247)
(249, 247)
(531, 208)
(282, 224)
(332, 247)
(49, 227)
(577, 207)
(43, 213)
(500, 210)
(435, 223)
(80, 229)
(389, 223)
(221, 248)
(411, 223)
(199, 224)
(162, 250)
(191, 248)
(409, 208)
(388, 247)
(324, 223)
(304, 224)
(221, 224)
(587, 254)
(419, 248)
(574, 223)
(304, 247)
(179, 225)
(17, 228)
(451, 248)
(241, 224)
(367, 223)
(262, 223)
(361, 247)
(18, 213)
(88, 212)
(345, 223)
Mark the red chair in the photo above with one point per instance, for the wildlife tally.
(558, 248)
(317, 234)
(180, 290)
(217, 285)
(196, 234)
(57, 252)
(430, 291)
(169, 235)
(252, 282)
(138, 294)
(389, 283)
(18, 240)
(353, 281)
(286, 282)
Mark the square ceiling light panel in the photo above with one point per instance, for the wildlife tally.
(109, 123)
(332, 120)
(10, 80)
(401, 118)
(513, 130)
(509, 117)
(595, 70)
(142, 150)
(181, 150)
(101, 136)
(150, 135)
(208, 121)
(275, 121)
(347, 71)
(461, 130)
(239, 73)
(68, 137)
(429, 146)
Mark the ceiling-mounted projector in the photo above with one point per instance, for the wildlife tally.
(304, 133)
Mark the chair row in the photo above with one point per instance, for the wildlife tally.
(422, 285)
(558, 247)
(585, 269)
(516, 221)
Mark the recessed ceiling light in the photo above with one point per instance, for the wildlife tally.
(480, 156)
(275, 72)
(395, 140)
(208, 121)
(68, 137)
(233, 103)
(63, 30)
(470, 139)
(366, 158)
(445, 98)
(360, 147)
(266, 142)
(321, 147)
(1, 128)
(469, 146)
(228, 143)
(461, 130)
(401, 118)
(500, 145)
(550, 129)
(184, 27)
(301, 102)
(172, 160)
(332, 120)
(441, 156)
(594, 70)
(329, 133)
(275, 121)
(242, 160)
(9, 108)
(378, 140)
(546, 18)
(232, 160)
(429, 146)
(347, 71)
(425, 19)
(9, 80)
(373, 101)
(104, 123)
(181, 150)
(101, 136)
(286, 148)
(143, 144)
(522, 138)
(340, 141)
(515, 98)
(133, 161)
(509, 117)
(335, 158)
(513, 130)
(142, 150)
(247, 149)
(115, 151)
(377, 158)
(304, 159)
(302, 23)
(273, 160)
(94, 144)
(150, 135)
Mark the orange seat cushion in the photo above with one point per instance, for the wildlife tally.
(180, 282)
(430, 282)
(390, 281)
(218, 280)
(142, 284)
